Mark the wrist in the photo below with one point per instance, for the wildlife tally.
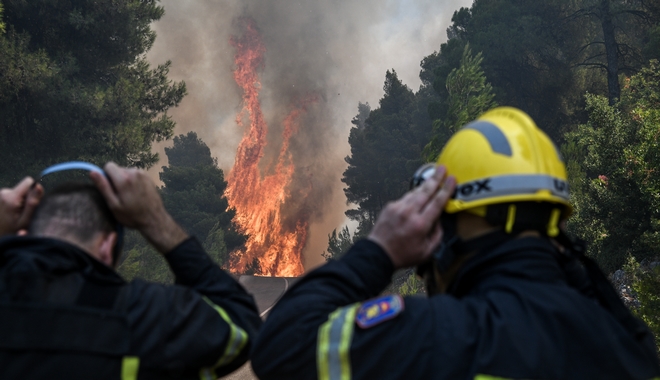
(386, 251)
(164, 233)
(371, 264)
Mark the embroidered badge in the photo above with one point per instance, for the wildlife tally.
(379, 310)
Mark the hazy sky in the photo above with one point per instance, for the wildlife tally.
(336, 49)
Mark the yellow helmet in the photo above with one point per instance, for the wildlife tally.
(503, 157)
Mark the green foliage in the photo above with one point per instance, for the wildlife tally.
(469, 95)
(413, 285)
(364, 109)
(652, 48)
(338, 244)
(525, 45)
(614, 37)
(141, 260)
(385, 150)
(646, 284)
(612, 164)
(539, 56)
(75, 85)
(95, 36)
(193, 194)
(444, 62)
(216, 246)
(2, 24)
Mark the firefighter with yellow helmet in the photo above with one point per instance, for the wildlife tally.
(510, 295)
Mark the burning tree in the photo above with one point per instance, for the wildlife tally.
(261, 192)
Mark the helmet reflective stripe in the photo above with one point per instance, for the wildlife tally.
(496, 139)
(511, 185)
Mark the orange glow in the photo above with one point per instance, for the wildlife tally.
(260, 199)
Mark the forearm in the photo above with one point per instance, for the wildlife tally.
(362, 273)
(287, 344)
(193, 268)
(164, 234)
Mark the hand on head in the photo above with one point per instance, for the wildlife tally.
(131, 195)
(409, 229)
(18, 204)
(136, 203)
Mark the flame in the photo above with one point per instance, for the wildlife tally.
(261, 200)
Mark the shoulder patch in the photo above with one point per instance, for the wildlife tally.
(378, 310)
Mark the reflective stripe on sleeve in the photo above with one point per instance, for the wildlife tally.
(237, 337)
(489, 377)
(334, 343)
(129, 367)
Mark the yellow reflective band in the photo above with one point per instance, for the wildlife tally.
(237, 337)
(129, 367)
(334, 343)
(510, 219)
(489, 377)
(553, 224)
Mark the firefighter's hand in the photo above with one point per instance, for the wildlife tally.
(18, 204)
(409, 229)
(136, 203)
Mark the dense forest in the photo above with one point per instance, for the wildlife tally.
(587, 72)
(75, 85)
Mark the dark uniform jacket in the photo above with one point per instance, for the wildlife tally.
(510, 314)
(65, 315)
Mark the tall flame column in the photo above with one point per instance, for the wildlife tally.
(260, 199)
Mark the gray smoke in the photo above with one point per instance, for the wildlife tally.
(338, 50)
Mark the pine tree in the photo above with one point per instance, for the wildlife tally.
(194, 192)
(384, 152)
(338, 244)
(75, 85)
(470, 95)
(193, 195)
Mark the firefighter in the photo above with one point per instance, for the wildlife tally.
(66, 314)
(510, 295)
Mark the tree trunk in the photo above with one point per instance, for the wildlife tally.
(611, 50)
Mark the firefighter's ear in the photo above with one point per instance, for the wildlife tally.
(105, 247)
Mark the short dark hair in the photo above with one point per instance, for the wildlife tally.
(73, 209)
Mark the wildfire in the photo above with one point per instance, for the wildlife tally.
(261, 199)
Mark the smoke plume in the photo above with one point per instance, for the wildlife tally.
(335, 50)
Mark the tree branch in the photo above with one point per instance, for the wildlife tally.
(593, 56)
(600, 65)
(637, 13)
(591, 43)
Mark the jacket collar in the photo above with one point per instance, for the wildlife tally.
(52, 255)
(531, 258)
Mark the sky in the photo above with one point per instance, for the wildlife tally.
(338, 50)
